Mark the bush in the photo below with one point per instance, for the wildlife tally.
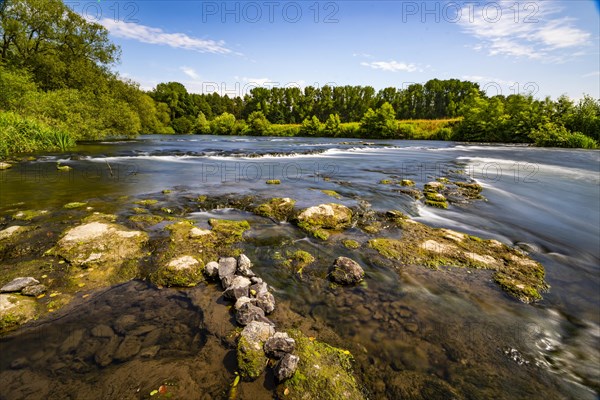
(553, 135)
(311, 126)
(258, 124)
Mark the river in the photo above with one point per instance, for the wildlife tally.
(465, 331)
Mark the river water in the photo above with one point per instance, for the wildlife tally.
(454, 325)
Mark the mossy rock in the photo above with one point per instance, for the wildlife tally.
(331, 193)
(437, 204)
(386, 182)
(470, 190)
(298, 260)
(28, 215)
(407, 182)
(101, 253)
(350, 244)
(324, 372)
(324, 219)
(420, 244)
(231, 230)
(414, 193)
(373, 227)
(146, 220)
(147, 202)
(15, 310)
(183, 271)
(434, 187)
(278, 208)
(74, 204)
(251, 358)
(273, 182)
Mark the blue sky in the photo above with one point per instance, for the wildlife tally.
(546, 47)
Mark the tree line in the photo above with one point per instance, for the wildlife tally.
(57, 87)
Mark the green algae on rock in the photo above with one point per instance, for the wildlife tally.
(273, 182)
(146, 220)
(350, 244)
(299, 260)
(331, 193)
(324, 219)
(75, 204)
(278, 208)
(28, 215)
(324, 372)
(251, 357)
(15, 310)
(386, 182)
(229, 230)
(407, 182)
(517, 274)
(184, 271)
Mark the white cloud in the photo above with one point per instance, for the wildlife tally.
(255, 81)
(190, 72)
(591, 74)
(536, 33)
(392, 66)
(486, 80)
(148, 34)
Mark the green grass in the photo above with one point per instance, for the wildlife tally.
(20, 134)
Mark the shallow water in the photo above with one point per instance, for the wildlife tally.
(454, 325)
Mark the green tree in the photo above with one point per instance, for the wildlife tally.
(333, 126)
(201, 126)
(311, 126)
(224, 124)
(380, 123)
(258, 124)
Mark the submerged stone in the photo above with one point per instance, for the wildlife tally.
(278, 208)
(346, 271)
(324, 219)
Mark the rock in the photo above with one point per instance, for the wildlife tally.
(197, 232)
(286, 367)
(128, 348)
(248, 313)
(266, 302)
(4, 166)
(102, 245)
(243, 300)
(18, 284)
(250, 355)
(227, 267)
(34, 290)
(19, 363)
(28, 215)
(104, 356)
(434, 186)
(211, 269)
(11, 230)
(321, 219)
(152, 338)
(346, 271)
(244, 266)
(278, 208)
(258, 288)
(239, 287)
(407, 182)
(184, 271)
(150, 352)
(256, 279)
(102, 331)
(72, 341)
(15, 310)
(227, 281)
(142, 330)
(124, 323)
(279, 344)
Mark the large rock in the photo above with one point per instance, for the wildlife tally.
(346, 271)
(250, 355)
(239, 287)
(18, 284)
(248, 313)
(104, 245)
(34, 290)
(211, 270)
(277, 208)
(15, 310)
(227, 267)
(10, 231)
(184, 271)
(286, 367)
(266, 302)
(4, 165)
(279, 345)
(244, 266)
(322, 219)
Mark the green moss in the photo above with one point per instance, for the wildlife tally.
(299, 260)
(317, 232)
(166, 191)
(273, 182)
(322, 220)
(407, 182)
(433, 188)
(443, 180)
(434, 196)
(470, 190)
(278, 208)
(9, 322)
(437, 204)
(28, 215)
(173, 277)
(201, 198)
(146, 219)
(230, 229)
(420, 244)
(166, 210)
(251, 361)
(373, 227)
(388, 248)
(386, 182)
(139, 210)
(74, 205)
(350, 244)
(148, 202)
(324, 372)
(332, 193)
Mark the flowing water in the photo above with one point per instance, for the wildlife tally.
(451, 326)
